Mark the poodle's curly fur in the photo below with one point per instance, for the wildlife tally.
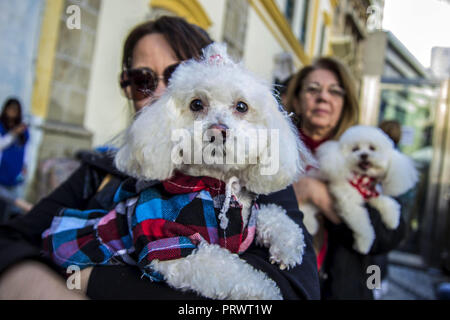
(368, 152)
(219, 84)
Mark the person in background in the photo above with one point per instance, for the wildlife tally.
(323, 98)
(151, 53)
(13, 138)
(393, 129)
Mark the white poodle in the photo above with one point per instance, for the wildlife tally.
(227, 105)
(361, 167)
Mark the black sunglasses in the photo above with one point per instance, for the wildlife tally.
(144, 81)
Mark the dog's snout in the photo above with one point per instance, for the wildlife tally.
(364, 156)
(220, 127)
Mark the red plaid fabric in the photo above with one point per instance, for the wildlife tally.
(181, 183)
(365, 185)
(158, 220)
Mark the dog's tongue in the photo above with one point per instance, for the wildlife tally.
(364, 165)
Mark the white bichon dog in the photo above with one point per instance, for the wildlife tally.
(221, 112)
(361, 167)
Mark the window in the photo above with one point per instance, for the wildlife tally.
(289, 10)
(322, 39)
(235, 27)
(304, 24)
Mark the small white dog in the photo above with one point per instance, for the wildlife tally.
(361, 167)
(224, 102)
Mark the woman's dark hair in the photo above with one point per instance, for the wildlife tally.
(186, 40)
(3, 118)
(7, 124)
(350, 110)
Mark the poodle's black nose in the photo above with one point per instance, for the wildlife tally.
(220, 127)
(363, 156)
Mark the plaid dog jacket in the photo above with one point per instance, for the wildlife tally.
(154, 220)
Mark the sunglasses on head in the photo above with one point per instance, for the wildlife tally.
(144, 81)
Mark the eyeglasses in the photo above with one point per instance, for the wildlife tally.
(315, 89)
(144, 81)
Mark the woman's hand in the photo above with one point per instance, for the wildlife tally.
(313, 190)
(19, 129)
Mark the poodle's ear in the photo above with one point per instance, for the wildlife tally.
(282, 159)
(401, 175)
(146, 153)
(332, 161)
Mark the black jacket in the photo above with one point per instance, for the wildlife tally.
(20, 239)
(344, 273)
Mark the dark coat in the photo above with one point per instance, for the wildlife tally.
(344, 272)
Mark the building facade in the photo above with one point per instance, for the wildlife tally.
(74, 98)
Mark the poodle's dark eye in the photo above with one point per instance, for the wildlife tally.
(241, 107)
(356, 148)
(372, 148)
(196, 105)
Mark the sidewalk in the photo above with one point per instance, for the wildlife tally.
(410, 279)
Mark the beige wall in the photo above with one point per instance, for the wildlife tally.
(216, 12)
(107, 111)
(260, 47)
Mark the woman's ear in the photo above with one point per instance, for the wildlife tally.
(401, 175)
(331, 160)
(147, 150)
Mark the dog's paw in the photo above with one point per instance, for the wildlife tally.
(363, 242)
(391, 218)
(289, 253)
(309, 217)
(216, 273)
(257, 286)
(389, 210)
(281, 235)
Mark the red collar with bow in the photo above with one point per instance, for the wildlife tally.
(181, 183)
(365, 185)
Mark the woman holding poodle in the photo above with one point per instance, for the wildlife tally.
(151, 53)
(323, 98)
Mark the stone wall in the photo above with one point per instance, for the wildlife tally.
(63, 130)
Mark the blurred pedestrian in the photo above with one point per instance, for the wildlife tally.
(13, 139)
(323, 98)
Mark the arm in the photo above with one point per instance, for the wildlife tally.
(309, 189)
(20, 238)
(6, 140)
(385, 239)
(317, 192)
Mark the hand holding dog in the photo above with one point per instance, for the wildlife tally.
(308, 189)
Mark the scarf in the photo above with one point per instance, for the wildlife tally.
(151, 220)
(309, 142)
(365, 185)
